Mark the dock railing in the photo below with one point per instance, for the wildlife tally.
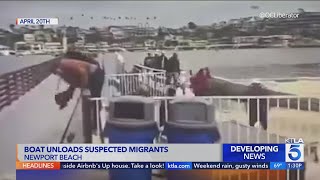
(286, 116)
(237, 109)
(282, 115)
(149, 80)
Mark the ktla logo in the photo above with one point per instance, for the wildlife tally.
(294, 152)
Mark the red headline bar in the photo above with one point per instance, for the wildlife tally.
(38, 165)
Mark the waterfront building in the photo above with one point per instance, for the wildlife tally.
(104, 34)
(234, 22)
(25, 48)
(53, 48)
(125, 32)
(308, 23)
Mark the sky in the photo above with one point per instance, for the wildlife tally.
(169, 13)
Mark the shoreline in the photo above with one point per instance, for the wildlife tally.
(146, 49)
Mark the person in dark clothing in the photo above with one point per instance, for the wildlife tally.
(173, 64)
(257, 89)
(172, 68)
(156, 63)
(164, 60)
(148, 60)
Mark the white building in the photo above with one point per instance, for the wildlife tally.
(235, 22)
(29, 38)
(53, 47)
(246, 39)
(123, 32)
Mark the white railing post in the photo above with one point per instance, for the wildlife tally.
(166, 109)
(248, 114)
(267, 118)
(131, 82)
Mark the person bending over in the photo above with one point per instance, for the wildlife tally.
(79, 73)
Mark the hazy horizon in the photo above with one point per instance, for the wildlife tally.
(169, 13)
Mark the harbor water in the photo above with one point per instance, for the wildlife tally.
(244, 63)
(227, 63)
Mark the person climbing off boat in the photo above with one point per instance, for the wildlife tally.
(83, 73)
(148, 60)
(255, 114)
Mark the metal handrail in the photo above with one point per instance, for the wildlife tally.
(131, 83)
(149, 68)
(129, 74)
(243, 128)
(230, 97)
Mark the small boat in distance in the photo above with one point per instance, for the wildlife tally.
(21, 53)
(116, 49)
(5, 51)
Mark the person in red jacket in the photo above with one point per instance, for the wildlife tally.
(200, 82)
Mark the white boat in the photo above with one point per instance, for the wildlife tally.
(116, 49)
(96, 48)
(26, 48)
(5, 51)
(20, 53)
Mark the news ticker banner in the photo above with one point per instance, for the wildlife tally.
(280, 155)
(160, 165)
